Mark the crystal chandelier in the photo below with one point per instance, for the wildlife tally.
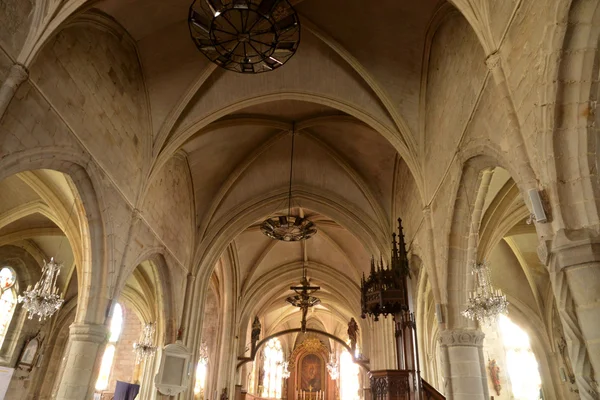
(43, 300)
(333, 367)
(485, 302)
(145, 347)
(289, 228)
(245, 36)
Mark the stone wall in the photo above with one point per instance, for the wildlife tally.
(15, 20)
(169, 209)
(101, 97)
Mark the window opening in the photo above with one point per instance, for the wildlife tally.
(116, 326)
(8, 300)
(273, 369)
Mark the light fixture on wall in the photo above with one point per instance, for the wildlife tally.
(245, 36)
(145, 347)
(485, 302)
(333, 367)
(43, 299)
(289, 228)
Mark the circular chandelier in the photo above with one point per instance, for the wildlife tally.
(485, 302)
(245, 36)
(289, 228)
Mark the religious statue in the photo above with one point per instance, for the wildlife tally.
(353, 334)
(495, 375)
(224, 394)
(255, 332)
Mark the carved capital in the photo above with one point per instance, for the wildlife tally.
(93, 333)
(461, 337)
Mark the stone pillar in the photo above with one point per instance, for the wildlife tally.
(17, 75)
(574, 266)
(81, 361)
(463, 364)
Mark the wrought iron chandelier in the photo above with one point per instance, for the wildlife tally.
(145, 347)
(289, 228)
(246, 36)
(303, 298)
(485, 302)
(43, 299)
(333, 367)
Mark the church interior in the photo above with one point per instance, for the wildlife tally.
(299, 199)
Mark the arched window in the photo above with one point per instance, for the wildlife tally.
(116, 326)
(273, 367)
(349, 384)
(520, 361)
(8, 299)
(201, 372)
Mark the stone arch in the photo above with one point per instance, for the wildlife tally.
(96, 268)
(571, 139)
(465, 221)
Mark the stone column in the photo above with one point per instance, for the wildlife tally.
(81, 361)
(574, 266)
(17, 75)
(463, 364)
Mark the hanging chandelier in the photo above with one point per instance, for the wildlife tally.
(245, 36)
(485, 302)
(145, 347)
(333, 367)
(43, 300)
(289, 228)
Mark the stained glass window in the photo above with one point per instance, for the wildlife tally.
(349, 384)
(116, 326)
(273, 367)
(522, 366)
(8, 300)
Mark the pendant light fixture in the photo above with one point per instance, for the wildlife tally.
(245, 36)
(289, 228)
(43, 299)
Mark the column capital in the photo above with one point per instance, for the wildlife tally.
(94, 333)
(461, 337)
(16, 75)
(575, 248)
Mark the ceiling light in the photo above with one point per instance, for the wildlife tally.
(289, 228)
(243, 35)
